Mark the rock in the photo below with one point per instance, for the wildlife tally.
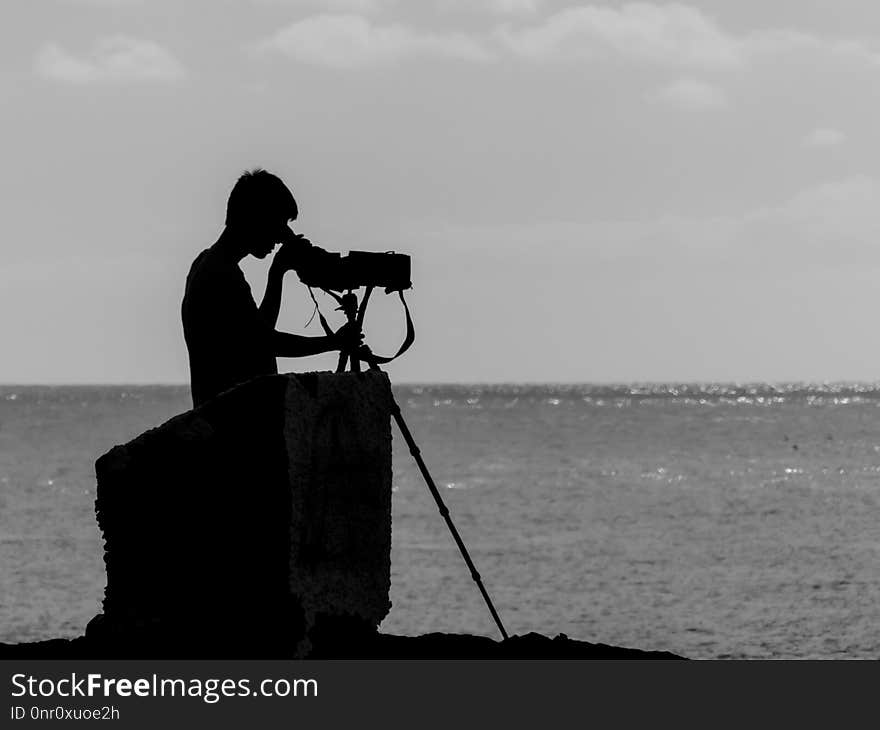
(338, 438)
(253, 518)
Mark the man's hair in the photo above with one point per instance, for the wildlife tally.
(257, 193)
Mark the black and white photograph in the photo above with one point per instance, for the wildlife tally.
(615, 395)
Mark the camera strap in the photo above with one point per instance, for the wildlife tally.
(324, 325)
(407, 341)
(373, 358)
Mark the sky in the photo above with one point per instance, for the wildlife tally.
(591, 192)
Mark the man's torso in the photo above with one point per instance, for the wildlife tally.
(228, 342)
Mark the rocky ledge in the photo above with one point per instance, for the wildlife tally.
(375, 646)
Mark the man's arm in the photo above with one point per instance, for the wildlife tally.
(271, 304)
(284, 260)
(285, 344)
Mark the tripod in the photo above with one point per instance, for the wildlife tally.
(355, 314)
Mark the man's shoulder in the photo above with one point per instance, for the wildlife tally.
(210, 269)
(201, 259)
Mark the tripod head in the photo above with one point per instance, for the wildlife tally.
(355, 313)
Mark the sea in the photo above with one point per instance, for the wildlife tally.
(709, 520)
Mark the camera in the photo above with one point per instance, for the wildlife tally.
(325, 270)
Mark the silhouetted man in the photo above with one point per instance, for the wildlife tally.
(230, 339)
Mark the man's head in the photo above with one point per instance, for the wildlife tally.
(259, 207)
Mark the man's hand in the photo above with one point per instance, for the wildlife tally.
(364, 353)
(289, 256)
(348, 337)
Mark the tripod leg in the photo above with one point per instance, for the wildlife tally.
(444, 511)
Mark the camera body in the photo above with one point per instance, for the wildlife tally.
(325, 270)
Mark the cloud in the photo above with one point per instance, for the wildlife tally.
(773, 42)
(513, 7)
(350, 41)
(106, 3)
(112, 59)
(824, 137)
(497, 7)
(671, 34)
(342, 6)
(832, 215)
(692, 95)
